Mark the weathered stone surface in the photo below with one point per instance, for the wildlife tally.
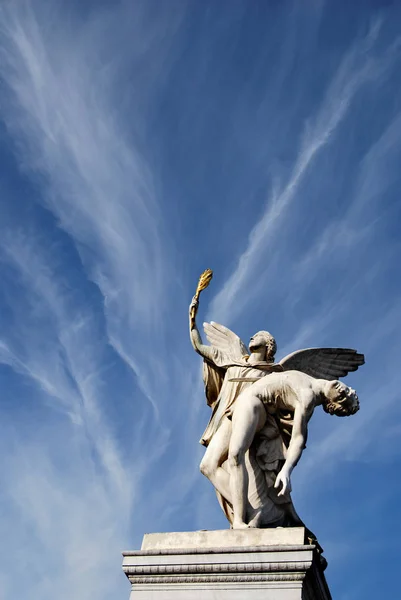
(226, 538)
(261, 565)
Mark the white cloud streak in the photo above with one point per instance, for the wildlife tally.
(60, 107)
(358, 68)
(98, 184)
(65, 479)
(67, 366)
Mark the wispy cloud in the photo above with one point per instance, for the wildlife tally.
(73, 535)
(374, 176)
(65, 363)
(64, 478)
(91, 173)
(358, 68)
(113, 112)
(96, 180)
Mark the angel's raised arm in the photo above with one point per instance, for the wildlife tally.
(225, 346)
(207, 352)
(195, 337)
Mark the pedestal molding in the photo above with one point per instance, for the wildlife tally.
(218, 550)
(240, 578)
(237, 567)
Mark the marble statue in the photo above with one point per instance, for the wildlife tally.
(260, 413)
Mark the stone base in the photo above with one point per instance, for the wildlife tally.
(249, 564)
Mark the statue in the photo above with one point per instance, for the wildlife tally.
(260, 412)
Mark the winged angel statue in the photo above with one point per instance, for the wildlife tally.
(260, 412)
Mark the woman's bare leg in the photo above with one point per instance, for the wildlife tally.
(249, 416)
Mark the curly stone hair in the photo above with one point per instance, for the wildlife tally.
(271, 346)
(345, 405)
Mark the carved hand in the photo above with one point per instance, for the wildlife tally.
(284, 479)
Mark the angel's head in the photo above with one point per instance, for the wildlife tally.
(264, 339)
(340, 400)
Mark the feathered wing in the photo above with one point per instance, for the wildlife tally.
(225, 340)
(228, 347)
(324, 363)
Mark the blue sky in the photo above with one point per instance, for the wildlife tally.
(141, 142)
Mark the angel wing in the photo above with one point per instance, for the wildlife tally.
(228, 347)
(323, 363)
(225, 340)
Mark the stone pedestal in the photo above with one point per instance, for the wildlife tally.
(250, 564)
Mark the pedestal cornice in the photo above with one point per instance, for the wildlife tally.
(229, 570)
